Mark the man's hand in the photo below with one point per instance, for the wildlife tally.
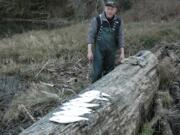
(90, 56)
(90, 53)
(121, 57)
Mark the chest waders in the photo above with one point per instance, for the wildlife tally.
(105, 48)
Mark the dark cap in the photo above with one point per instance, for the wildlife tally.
(111, 3)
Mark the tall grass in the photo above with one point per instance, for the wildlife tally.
(155, 10)
(64, 50)
(37, 47)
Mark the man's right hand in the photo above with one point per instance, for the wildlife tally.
(90, 56)
(90, 53)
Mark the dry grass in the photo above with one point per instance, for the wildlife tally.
(36, 46)
(155, 10)
(147, 129)
(58, 56)
(144, 35)
(167, 72)
(54, 57)
(36, 95)
(33, 49)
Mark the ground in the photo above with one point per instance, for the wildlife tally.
(44, 68)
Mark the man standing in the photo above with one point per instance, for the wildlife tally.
(105, 38)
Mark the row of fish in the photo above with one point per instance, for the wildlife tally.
(74, 110)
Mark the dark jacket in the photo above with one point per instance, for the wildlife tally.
(93, 31)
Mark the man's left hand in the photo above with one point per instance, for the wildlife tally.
(121, 58)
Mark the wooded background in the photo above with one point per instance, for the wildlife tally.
(83, 9)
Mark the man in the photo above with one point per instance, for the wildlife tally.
(105, 37)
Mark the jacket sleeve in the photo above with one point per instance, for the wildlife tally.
(121, 35)
(92, 31)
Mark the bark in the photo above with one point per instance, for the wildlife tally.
(132, 89)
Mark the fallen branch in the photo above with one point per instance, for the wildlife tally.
(22, 107)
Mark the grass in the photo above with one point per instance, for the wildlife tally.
(146, 35)
(153, 10)
(37, 47)
(58, 55)
(147, 130)
(167, 100)
(53, 56)
(36, 95)
(167, 72)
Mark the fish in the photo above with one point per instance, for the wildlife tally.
(72, 108)
(89, 96)
(67, 119)
(94, 93)
(87, 99)
(81, 104)
(72, 112)
(102, 98)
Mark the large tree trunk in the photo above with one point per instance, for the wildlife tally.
(132, 89)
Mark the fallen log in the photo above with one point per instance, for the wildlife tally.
(132, 88)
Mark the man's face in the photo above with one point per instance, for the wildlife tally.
(110, 11)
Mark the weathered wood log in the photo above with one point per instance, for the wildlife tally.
(132, 89)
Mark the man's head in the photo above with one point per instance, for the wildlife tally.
(110, 8)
